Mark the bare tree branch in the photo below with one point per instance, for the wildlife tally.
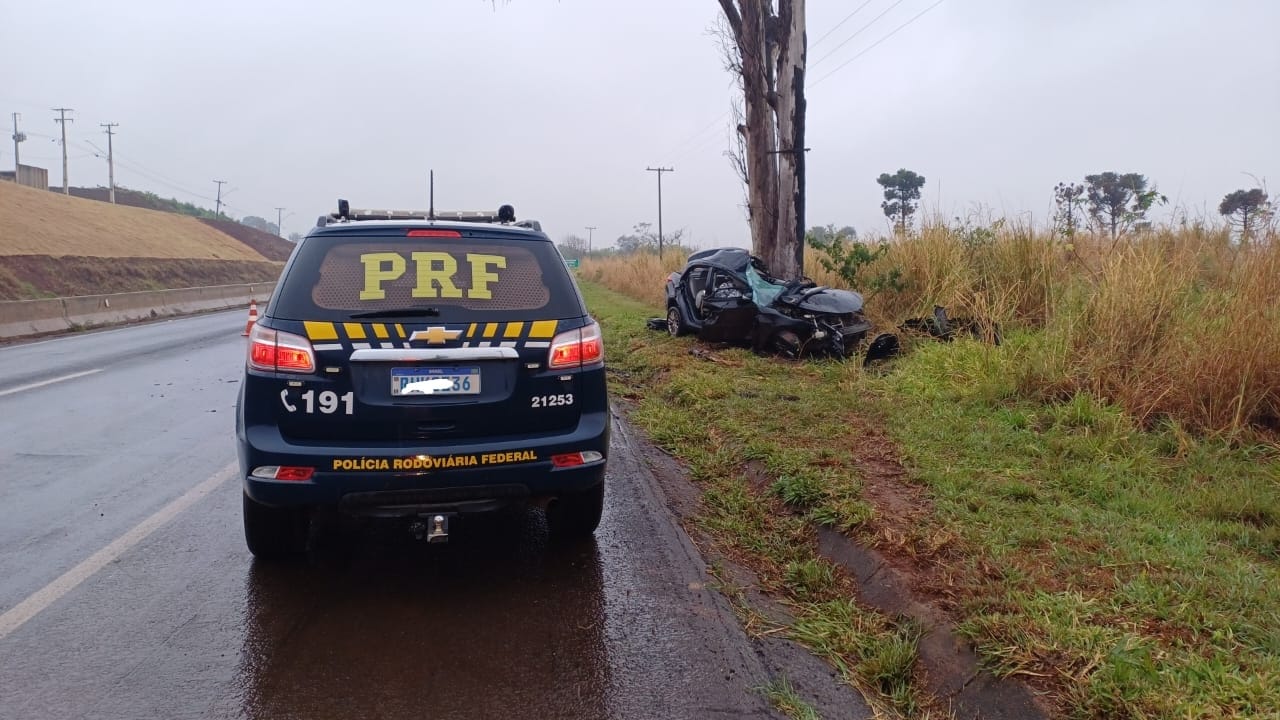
(733, 17)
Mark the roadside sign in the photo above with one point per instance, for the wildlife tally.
(571, 262)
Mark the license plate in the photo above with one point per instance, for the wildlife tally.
(435, 381)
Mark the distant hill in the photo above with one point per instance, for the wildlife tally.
(57, 245)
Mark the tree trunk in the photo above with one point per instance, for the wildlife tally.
(785, 251)
(772, 51)
(762, 177)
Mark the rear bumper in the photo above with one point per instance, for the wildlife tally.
(366, 481)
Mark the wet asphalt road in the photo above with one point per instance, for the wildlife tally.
(102, 433)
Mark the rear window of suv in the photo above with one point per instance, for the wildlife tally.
(466, 279)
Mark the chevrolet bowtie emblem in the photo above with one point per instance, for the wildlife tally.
(435, 336)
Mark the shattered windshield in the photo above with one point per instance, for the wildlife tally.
(763, 292)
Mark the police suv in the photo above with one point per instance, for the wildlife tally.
(421, 365)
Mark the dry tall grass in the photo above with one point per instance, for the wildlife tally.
(1175, 324)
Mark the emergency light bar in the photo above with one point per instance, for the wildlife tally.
(505, 215)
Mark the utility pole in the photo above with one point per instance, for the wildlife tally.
(63, 120)
(18, 137)
(111, 163)
(280, 221)
(590, 232)
(660, 170)
(217, 211)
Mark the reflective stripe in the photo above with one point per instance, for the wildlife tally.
(380, 331)
(471, 330)
(537, 344)
(366, 355)
(508, 344)
(490, 329)
(355, 331)
(320, 330)
(513, 330)
(327, 346)
(543, 329)
(360, 346)
(400, 330)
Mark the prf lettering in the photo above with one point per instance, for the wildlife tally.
(435, 272)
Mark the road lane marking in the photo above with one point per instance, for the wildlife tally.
(50, 381)
(19, 614)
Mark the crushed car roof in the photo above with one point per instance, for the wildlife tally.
(729, 258)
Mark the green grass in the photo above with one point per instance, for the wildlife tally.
(1140, 568)
(1131, 573)
(721, 418)
(783, 697)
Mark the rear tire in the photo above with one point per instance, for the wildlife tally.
(577, 515)
(676, 325)
(274, 533)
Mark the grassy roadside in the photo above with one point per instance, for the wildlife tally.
(1129, 573)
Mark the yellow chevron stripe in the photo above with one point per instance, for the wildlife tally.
(355, 331)
(320, 330)
(471, 330)
(513, 330)
(380, 331)
(542, 329)
(490, 329)
(400, 330)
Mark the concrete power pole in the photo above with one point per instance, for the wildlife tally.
(63, 120)
(280, 221)
(217, 211)
(18, 137)
(591, 229)
(111, 163)
(660, 170)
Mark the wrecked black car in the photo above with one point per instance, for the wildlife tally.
(727, 295)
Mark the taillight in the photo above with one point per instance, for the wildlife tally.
(277, 351)
(277, 472)
(566, 460)
(577, 348)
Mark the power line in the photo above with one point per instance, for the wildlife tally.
(218, 208)
(18, 138)
(660, 170)
(111, 166)
(873, 45)
(860, 30)
(697, 140)
(846, 19)
(62, 120)
(698, 135)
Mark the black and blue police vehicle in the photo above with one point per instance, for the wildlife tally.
(421, 365)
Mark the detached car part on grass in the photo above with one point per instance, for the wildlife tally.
(727, 295)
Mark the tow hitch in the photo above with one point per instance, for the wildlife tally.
(435, 528)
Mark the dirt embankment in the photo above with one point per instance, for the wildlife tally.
(266, 244)
(26, 277)
(54, 245)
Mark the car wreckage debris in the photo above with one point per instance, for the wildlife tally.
(727, 295)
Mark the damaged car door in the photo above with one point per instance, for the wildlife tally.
(726, 307)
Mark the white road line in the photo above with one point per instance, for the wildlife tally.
(16, 616)
(50, 381)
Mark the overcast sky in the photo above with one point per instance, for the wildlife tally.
(557, 107)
